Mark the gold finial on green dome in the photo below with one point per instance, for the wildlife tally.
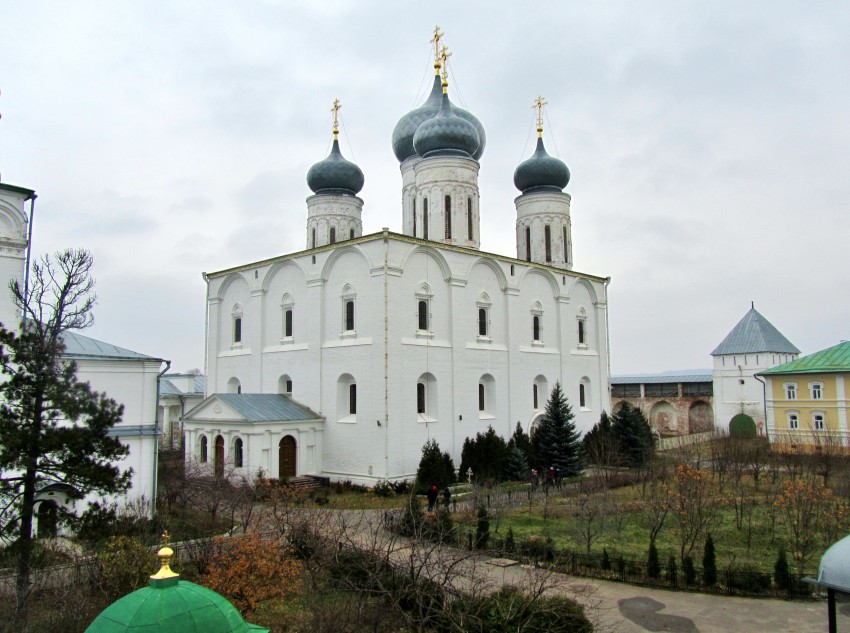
(538, 105)
(444, 56)
(164, 554)
(438, 34)
(337, 106)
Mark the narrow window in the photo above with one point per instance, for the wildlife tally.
(482, 321)
(793, 421)
(818, 417)
(349, 316)
(448, 217)
(237, 330)
(287, 326)
(791, 391)
(527, 244)
(314, 240)
(512, 270)
(352, 399)
(534, 394)
(535, 328)
(204, 449)
(581, 337)
(566, 256)
(581, 395)
(237, 452)
(423, 315)
(480, 397)
(817, 392)
(333, 235)
(425, 218)
(414, 217)
(547, 236)
(289, 387)
(351, 234)
(420, 397)
(469, 219)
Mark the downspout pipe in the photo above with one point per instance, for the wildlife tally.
(156, 437)
(31, 198)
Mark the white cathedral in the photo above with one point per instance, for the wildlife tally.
(343, 359)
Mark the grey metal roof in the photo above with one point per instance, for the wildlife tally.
(199, 383)
(79, 346)
(752, 335)
(167, 388)
(834, 570)
(650, 379)
(267, 407)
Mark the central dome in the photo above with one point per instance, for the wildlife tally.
(406, 127)
(335, 174)
(446, 133)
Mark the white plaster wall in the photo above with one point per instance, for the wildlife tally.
(537, 210)
(342, 212)
(13, 242)
(387, 362)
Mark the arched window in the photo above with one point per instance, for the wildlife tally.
(234, 386)
(481, 396)
(584, 393)
(486, 396)
(351, 234)
(581, 319)
(204, 449)
(414, 218)
(333, 235)
(352, 399)
(423, 314)
(420, 397)
(448, 209)
(287, 322)
(482, 321)
(581, 401)
(237, 452)
(547, 238)
(349, 315)
(581, 332)
(566, 255)
(528, 244)
(534, 396)
(284, 385)
(817, 421)
(535, 328)
(219, 456)
(237, 324)
(469, 219)
(347, 398)
(425, 218)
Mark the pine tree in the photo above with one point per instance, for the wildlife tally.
(516, 468)
(485, 456)
(599, 443)
(555, 441)
(53, 428)
(521, 441)
(435, 468)
(781, 576)
(653, 565)
(709, 563)
(634, 437)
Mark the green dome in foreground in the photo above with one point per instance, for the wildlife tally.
(172, 605)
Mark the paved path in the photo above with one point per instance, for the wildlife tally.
(626, 608)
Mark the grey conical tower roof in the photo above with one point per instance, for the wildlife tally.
(752, 335)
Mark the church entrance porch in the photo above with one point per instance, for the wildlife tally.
(287, 456)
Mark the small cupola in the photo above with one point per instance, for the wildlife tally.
(335, 174)
(541, 172)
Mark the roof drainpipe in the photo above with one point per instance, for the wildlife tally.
(764, 404)
(156, 437)
(31, 198)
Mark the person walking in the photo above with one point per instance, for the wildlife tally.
(447, 497)
(432, 498)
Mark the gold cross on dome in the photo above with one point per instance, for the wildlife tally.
(337, 106)
(165, 537)
(538, 105)
(438, 34)
(445, 53)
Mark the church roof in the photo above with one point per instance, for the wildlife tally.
(266, 407)
(169, 605)
(79, 346)
(834, 570)
(832, 359)
(652, 379)
(754, 334)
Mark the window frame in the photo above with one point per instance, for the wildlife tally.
(816, 390)
(238, 453)
(204, 449)
(790, 389)
(793, 418)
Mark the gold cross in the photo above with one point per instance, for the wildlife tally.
(165, 537)
(538, 105)
(444, 56)
(337, 106)
(436, 42)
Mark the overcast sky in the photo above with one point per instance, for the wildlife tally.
(709, 145)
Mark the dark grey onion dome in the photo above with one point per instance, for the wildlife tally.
(541, 172)
(406, 127)
(446, 133)
(335, 174)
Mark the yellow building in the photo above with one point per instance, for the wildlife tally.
(806, 401)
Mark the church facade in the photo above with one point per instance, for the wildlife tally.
(396, 338)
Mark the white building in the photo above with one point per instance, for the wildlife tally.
(395, 338)
(752, 346)
(127, 377)
(178, 394)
